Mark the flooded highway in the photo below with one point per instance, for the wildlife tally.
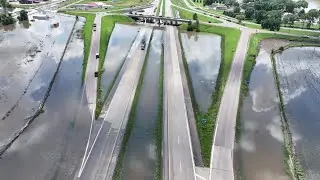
(119, 45)
(259, 153)
(52, 146)
(299, 75)
(140, 157)
(203, 56)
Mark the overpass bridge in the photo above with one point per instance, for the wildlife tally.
(166, 20)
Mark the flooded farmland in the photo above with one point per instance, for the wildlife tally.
(55, 140)
(140, 156)
(203, 56)
(259, 154)
(299, 75)
(119, 45)
(27, 69)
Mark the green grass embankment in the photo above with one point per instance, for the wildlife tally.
(293, 167)
(87, 34)
(229, 42)
(107, 25)
(120, 162)
(163, 8)
(185, 14)
(287, 30)
(158, 174)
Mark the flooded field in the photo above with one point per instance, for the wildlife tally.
(203, 55)
(260, 149)
(140, 157)
(299, 75)
(119, 45)
(29, 58)
(56, 139)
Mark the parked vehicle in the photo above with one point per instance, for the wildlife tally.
(94, 28)
(97, 56)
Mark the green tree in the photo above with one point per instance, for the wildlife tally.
(260, 15)
(23, 16)
(240, 17)
(285, 20)
(311, 16)
(4, 6)
(302, 4)
(289, 19)
(272, 21)
(249, 12)
(195, 16)
(236, 9)
(6, 19)
(290, 5)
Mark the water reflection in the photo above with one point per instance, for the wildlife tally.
(260, 154)
(140, 157)
(299, 76)
(119, 45)
(29, 58)
(54, 142)
(203, 55)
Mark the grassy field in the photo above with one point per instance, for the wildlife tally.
(87, 34)
(189, 15)
(107, 25)
(158, 174)
(163, 8)
(230, 38)
(289, 31)
(158, 8)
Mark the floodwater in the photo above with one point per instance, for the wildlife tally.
(259, 152)
(53, 145)
(299, 75)
(140, 158)
(29, 58)
(119, 46)
(203, 55)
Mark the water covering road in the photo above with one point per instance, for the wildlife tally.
(140, 158)
(119, 45)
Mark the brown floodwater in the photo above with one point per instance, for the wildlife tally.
(29, 58)
(299, 75)
(119, 45)
(203, 56)
(259, 153)
(54, 143)
(140, 157)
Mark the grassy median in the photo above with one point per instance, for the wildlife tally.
(229, 41)
(185, 14)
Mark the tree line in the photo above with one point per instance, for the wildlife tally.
(272, 13)
(6, 18)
